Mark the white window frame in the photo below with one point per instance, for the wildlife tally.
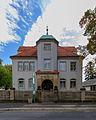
(73, 66)
(72, 85)
(47, 63)
(62, 83)
(31, 81)
(21, 80)
(47, 46)
(63, 66)
(26, 66)
(20, 66)
(32, 67)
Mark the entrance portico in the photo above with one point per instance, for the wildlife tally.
(47, 80)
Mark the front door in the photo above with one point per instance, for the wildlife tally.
(47, 85)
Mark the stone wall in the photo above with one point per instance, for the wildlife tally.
(42, 96)
(90, 95)
(6, 94)
(23, 95)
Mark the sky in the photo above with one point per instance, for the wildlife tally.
(22, 22)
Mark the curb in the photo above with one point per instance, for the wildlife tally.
(48, 109)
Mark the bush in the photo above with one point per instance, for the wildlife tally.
(82, 89)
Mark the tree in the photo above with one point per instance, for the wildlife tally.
(0, 62)
(89, 70)
(88, 22)
(5, 77)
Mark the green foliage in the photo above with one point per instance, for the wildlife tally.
(5, 77)
(90, 70)
(88, 22)
(0, 62)
(82, 89)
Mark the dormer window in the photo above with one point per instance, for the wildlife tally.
(47, 46)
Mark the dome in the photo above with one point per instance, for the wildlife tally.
(46, 37)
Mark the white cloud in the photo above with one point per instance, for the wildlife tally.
(60, 14)
(5, 37)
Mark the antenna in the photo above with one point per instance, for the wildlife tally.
(46, 30)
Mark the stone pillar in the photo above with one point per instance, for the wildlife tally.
(12, 94)
(82, 95)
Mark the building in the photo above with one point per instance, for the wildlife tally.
(53, 66)
(90, 85)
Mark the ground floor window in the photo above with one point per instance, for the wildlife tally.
(93, 88)
(62, 83)
(31, 83)
(73, 83)
(21, 83)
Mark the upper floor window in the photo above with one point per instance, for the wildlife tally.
(47, 63)
(63, 66)
(47, 46)
(20, 66)
(21, 83)
(26, 66)
(73, 66)
(32, 66)
(73, 83)
(62, 83)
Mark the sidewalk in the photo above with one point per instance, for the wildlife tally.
(46, 107)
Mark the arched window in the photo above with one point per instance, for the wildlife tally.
(21, 83)
(73, 83)
(62, 83)
(30, 83)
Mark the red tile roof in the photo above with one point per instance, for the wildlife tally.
(32, 52)
(44, 72)
(67, 51)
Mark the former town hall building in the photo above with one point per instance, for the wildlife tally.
(53, 66)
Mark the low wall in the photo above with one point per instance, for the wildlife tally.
(49, 97)
(23, 95)
(69, 96)
(90, 95)
(7, 95)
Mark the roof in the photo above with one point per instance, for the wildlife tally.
(67, 51)
(46, 37)
(89, 82)
(44, 72)
(24, 51)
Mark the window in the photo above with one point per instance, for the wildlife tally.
(20, 66)
(47, 46)
(63, 66)
(30, 83)
(73, 66)
(21, 83)
(47, 63)
(26, 66)
(73, 83)
(32, 66)
(62, 83)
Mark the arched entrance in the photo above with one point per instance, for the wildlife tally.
(47, 85)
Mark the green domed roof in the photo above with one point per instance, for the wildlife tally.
(46, 37)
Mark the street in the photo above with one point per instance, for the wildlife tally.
(47, 115)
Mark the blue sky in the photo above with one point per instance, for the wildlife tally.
(22, 22)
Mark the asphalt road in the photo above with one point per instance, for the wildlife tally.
(9, 115)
